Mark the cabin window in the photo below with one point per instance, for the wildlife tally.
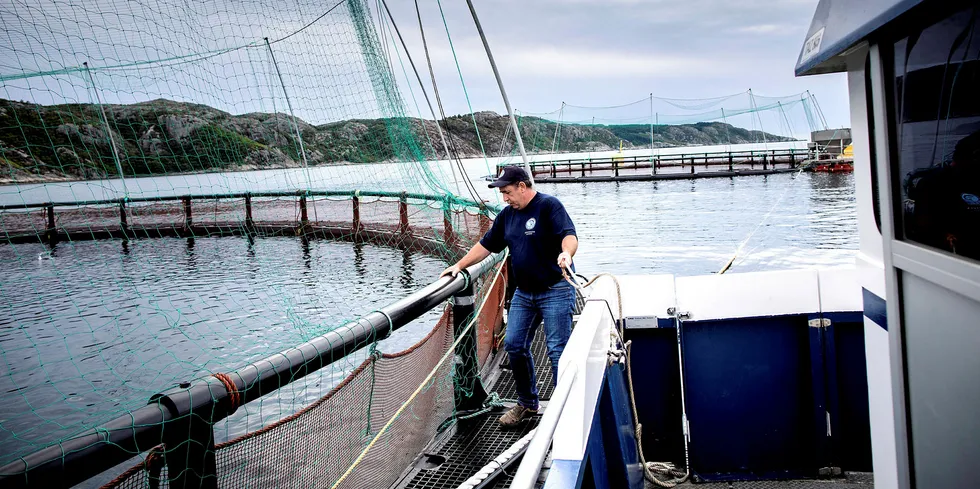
(936, 114)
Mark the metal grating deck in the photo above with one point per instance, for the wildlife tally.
(851, 480)
(504, 385)
(471, 446)
(468, 446)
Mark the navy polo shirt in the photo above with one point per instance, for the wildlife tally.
(534, 235)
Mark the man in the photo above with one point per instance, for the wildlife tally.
(942, 208)
(542, 241)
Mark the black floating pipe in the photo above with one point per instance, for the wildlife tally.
(77, 459)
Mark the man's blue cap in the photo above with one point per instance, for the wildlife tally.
(510, 175)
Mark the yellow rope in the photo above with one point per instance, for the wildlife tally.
(421, 386)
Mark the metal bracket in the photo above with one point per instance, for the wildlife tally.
(682, 315)
(819, 323)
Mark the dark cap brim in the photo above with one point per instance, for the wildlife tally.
(500, 183)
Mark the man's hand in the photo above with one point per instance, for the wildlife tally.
(451, 271)
(564, 260)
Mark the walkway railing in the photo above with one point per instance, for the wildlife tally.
(333, 214)
(657, 164)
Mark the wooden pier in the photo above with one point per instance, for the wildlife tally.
(668, 166)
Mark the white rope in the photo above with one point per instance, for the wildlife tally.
(651, 470)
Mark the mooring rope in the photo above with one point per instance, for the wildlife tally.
(234, 396)
(738, 250)
(651, 470)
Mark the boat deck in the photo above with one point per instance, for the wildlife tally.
(459, 452)
(851, 480)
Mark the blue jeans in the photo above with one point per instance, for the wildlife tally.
(555, 307)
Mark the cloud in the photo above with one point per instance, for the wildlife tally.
(571, 62)
(769, 29)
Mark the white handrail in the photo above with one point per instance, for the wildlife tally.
(537, 450)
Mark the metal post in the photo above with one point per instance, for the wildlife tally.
(188, 218)
(468, 388)
(730, 161)
(692, 165)
(190, 458)
(356, 210)
(123, 220)
(765, 161)
(304, 219)
(51, 233)
(403, 215)
(503, 93)
(447, 224)
(249, 222)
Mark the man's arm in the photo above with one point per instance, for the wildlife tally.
(475, 255)
(569, 245)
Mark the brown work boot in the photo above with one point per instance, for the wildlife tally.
(515, 415)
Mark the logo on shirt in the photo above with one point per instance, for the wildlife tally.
(968, 198)
(529, 225)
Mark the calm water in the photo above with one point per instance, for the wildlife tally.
(98, 328)
(693, 227)
(94, 328)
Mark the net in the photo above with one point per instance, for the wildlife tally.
(185, 189)
(658, 122)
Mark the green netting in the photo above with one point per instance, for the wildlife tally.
(186, 188)
(658, 122)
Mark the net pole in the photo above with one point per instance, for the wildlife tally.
(554, 140)
(503, 92)
(818, 110)
(755, 109)
(108, 130)
(789, 126)
(289, 105)
(435, 88)
(651, 126)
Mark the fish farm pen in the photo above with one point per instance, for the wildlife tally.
(669, 166)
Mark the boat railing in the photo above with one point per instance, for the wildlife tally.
(565, 425)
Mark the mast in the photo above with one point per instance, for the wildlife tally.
(503, 92)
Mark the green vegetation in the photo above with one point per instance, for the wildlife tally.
(70, 141)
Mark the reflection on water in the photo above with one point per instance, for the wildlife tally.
(92, 329)
(693, 227)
